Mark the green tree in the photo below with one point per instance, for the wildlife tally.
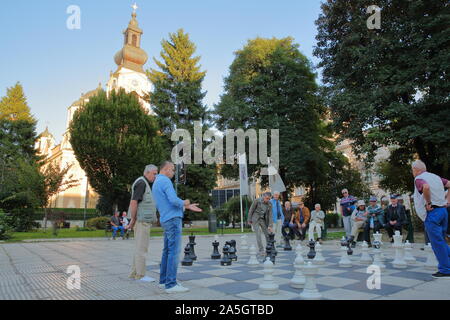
(178, 102)
(14, 105)
(114, 139)
(271, 86)
(389, 86)
(56, 180)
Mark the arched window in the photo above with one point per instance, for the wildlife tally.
(134, 40)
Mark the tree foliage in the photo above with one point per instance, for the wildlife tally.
(178, 102)
(114, 139)
(389, 86)
(14, 105)
(271, 85)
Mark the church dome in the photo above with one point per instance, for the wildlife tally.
(131, 56)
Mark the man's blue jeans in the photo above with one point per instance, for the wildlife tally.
(436, 227)
(171, 252)
(118, 228)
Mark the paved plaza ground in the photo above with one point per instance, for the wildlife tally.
(37, 271)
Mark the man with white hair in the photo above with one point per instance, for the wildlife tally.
(260, 217)
(431, 206)
(278, 217)
(143, 213)
(347, 208)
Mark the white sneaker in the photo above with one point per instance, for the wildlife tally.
(177, 289)
(147, 279)
(162, 286)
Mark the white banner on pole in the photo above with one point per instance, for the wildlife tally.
(275, 181)
(243, 174)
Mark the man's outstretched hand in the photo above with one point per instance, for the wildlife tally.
(194, 207)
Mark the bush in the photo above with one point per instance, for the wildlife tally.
(98, 223)
(331, 220)
(5, 226)
(22, 220)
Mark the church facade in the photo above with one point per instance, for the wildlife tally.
(130, 75)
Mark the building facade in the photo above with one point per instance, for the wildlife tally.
(129, 75)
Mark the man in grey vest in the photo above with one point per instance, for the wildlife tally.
(143, 213)
(261, 219)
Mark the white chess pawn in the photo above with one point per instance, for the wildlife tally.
(377, 237)
(319, 259)
(431, 262)
(377, 260)
(253, 262)
(299, 252)
(399, 261)
(298, 280)
(345, 261)
(310, 291)
(244, 244)
(268, 287)
(365, 256)
(409, 258)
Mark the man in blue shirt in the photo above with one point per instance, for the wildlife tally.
(278, 217)
(171, 211)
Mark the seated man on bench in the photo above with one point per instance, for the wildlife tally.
(116, 225)
(375, 220)
(359, 218)
(288, 225)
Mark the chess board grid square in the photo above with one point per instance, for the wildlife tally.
(386, 289)
(321, 287)
(235, 287)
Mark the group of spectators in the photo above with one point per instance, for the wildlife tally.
(269, 215)
(357, 217)
(119, 223)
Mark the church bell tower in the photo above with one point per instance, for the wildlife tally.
(130, 74)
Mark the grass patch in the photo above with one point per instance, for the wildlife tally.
(155, 232)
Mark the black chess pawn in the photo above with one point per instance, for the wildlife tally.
(233, 250)
(187, 261)
(344, 242)
(216, 255)
(192, 247)
(312, 250)
(349, 246)
(226, 261)
(287, 244)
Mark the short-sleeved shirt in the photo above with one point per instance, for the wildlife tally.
(421, 182)
(139, 190)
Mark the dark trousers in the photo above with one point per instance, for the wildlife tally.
(294, 231)
(376, 228)
(391, 229)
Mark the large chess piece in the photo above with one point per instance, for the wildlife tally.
(233, 250)
(430, 263)
(253, 262)
(377, 238)
(365, 256)
(377, 255)
(287, 244)
(298, 280)
(226, 261)
(299, 252)
(268, 287)
(187, 261)
(271, 252)
(345, 261)
(399, 261)
(409, 258)
(273, 242)
(216, 255)
(310, 291)
(319, 259)
(192, 247)
(312, 250)
(244, 245)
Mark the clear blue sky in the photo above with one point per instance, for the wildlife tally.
(55, 65)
